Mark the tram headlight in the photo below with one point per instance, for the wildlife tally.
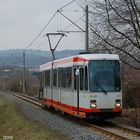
(118, 104)
(93, 104)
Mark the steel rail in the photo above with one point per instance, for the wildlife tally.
(129, 130)
(102, 130)
(30, 99)
(125, 127)
(116, 131)
(105, 132)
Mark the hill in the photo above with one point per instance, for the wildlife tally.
(34, 58)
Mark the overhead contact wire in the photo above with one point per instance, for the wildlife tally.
(41, 31)
(66, 5)
(48, 24)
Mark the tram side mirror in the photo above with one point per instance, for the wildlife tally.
(77, 72)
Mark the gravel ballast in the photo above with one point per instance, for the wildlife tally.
(53, 121)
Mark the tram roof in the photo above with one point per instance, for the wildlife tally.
(80, 58)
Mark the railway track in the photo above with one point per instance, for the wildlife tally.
(115, 131)
(111, 130)
(30, 99)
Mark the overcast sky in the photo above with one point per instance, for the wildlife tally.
(22, 20)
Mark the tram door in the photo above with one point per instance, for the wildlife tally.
(59, 85)
(76, 87)
(79, 84)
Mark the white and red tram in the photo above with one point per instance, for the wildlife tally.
(85, 85)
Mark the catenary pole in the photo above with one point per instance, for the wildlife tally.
(3, 76)
(86, 30)
(23, 81)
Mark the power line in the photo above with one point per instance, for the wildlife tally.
(48, 24)
(74, 22)
(41, 31)
(71, 21)
(44, 27)
(36, 36)
(66, 5)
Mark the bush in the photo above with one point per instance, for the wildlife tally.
(14, 85)
(131, 97)
(32, 91)
(132, 116)
(131, 88)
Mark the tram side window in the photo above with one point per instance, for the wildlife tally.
(59, 77)
(55, 77)
(69, 77)
(40, 80)
(86, 78)
(81, 78)
(45, 79)
(48, 78)
(74, 79)
(64, 75)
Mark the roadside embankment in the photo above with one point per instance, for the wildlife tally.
(14, 126)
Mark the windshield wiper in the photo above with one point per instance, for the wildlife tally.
(101, 87)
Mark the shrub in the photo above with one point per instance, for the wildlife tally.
(131, 88)
(14, 85)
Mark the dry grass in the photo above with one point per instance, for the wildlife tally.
(32, 91)
(131, 117)
(12, 123)
(131, 88)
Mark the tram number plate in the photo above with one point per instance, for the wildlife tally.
(106, 110)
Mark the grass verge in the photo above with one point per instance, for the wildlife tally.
(13, 125)
(130, 117)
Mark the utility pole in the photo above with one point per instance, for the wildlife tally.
(23, 80)
(86, 31)
(3, 76)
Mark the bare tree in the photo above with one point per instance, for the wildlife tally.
(115, 26)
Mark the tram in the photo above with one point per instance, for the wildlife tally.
(84, 85)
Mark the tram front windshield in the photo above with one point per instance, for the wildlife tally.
(104, 76)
